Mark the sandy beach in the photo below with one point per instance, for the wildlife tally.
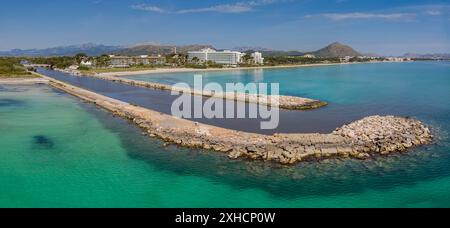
(22, 81)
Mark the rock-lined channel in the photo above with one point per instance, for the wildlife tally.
(281, 101)
(361, 139)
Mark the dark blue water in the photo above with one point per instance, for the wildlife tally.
(323, 120)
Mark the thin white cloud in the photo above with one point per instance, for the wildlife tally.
(148, 8)
(433, 12)
(261, 2)
(238, 7)
(405, 13)
(396, 14)
(358, 15)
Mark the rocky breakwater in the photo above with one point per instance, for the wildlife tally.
(281, 101)
(385, 134)
(360, 139)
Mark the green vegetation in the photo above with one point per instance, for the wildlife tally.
(91, 71)
(198, 65)
(247, 59)
(195, 60)
(195, 66)
(63, 62)
(57, 62)
(80, 57)
(176, 60)
(297, 60)
(211, 64)
(363, 60)
(11, 68)
(102, 61)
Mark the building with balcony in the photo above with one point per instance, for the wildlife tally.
(258, 58)
(228, 58)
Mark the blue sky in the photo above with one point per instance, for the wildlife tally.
(387, 27)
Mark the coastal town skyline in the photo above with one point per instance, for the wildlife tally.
(382, 27)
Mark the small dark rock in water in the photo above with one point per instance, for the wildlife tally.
(10, 102)
(43, 142)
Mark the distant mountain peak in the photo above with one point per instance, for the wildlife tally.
(336, 44)
(148, 43)
(336, 49)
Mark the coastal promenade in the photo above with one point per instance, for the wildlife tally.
(362, 139)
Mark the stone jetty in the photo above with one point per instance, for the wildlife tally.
(281, 101)
(362, 139)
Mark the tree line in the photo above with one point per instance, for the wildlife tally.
(11, 67)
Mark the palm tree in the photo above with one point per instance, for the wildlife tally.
(195, 60)
(80, 57)
(247, 58)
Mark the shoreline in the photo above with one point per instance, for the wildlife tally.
(362, 139)
(23, 81)
(188, 70)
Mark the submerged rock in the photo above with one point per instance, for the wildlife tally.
(43, 142)
(10, 102)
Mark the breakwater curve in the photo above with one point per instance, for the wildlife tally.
(361, 139)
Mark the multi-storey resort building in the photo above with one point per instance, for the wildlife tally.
(228, 58)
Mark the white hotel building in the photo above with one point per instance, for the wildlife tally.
(258, 58)
(228, 58)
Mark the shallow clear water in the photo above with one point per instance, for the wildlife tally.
(57, 151)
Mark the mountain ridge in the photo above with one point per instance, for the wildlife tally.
(333, 50)
(155, 49)
(427, 56)
(99, 49)
(88, 48)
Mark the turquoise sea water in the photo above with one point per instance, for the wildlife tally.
(57, 151)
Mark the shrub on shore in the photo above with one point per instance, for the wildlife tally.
(11, 68)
